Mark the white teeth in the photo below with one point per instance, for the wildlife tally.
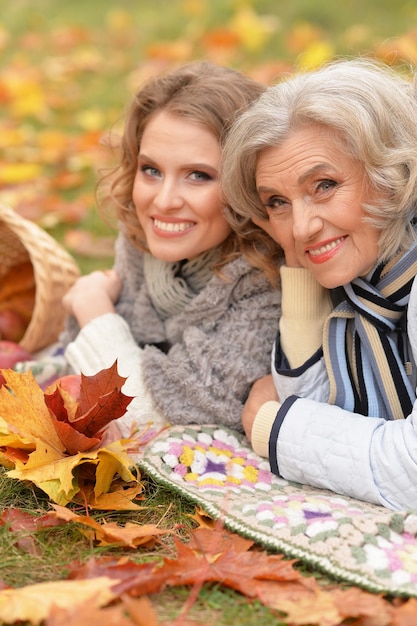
(326, 248)
(171, 227)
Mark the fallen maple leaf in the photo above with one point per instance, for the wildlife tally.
(131, 535)
(226, 558)
(53, 439)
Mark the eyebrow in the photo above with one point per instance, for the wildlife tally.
(316, 168)
(313, 170)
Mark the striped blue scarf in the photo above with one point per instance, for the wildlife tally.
(363, 362)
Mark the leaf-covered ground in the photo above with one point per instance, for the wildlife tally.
(67, 70)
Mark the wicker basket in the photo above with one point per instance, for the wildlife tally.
(54, 272)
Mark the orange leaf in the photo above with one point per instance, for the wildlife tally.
(74, 441)
(106, 408)
(18, 281)
(131, 535)
(92, 387)
(227, 560)
(405, 615)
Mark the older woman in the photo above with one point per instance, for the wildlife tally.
(326, 163)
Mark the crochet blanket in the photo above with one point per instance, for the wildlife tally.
(353, 541)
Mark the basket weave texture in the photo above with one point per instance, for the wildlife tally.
(54, 270)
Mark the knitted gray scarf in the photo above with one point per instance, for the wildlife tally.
(171, 286)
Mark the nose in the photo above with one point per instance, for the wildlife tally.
(168, 195)
(307, 221)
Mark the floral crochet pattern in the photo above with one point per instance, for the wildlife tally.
(358, 542)
(215, 461)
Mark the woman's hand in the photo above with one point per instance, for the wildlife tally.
(262, 391)
(93, 295)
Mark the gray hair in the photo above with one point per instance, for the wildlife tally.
(370, 107)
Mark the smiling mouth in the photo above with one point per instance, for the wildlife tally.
(327, 248)
(173, 227)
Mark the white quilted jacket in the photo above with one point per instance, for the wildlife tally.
(325, 446)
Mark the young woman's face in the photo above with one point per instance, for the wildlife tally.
(314, 195)
(176, 190)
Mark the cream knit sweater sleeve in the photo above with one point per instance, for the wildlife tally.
(305, 306)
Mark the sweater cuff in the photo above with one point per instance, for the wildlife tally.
(99, 344)
(262, 427)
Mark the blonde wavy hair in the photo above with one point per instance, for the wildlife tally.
(371, 107)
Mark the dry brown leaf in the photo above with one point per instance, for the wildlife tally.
(203, 520)
(321, 607)
(131, 535)
(128, 612)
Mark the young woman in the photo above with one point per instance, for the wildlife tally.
(188, 319)
(326, 163)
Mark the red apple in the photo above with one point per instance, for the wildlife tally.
(12, 325)
(71, 383)
(10, 354)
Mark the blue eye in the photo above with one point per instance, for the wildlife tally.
(326, 185)
(200, 176)
(275, 202)
(149, 170)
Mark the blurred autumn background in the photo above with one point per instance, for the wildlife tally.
(67, 70)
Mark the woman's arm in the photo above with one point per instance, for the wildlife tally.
(296, 364)
(368, 458)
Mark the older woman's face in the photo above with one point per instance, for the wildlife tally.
(314, 195)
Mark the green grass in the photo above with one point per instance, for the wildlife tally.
(58, 547)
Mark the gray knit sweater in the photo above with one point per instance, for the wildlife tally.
(190, 342)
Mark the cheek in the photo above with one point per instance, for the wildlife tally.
(140, 196)
(279, 231)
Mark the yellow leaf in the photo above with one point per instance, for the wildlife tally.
(33, 603)
(25, 409)
(59, 477)
(253, 30)
(120, 498)
(12, 137)
(113, 459)
(315, 55)
(14, 173)
(12, 439)
(118, 20)
(54, 477)
(91, 119)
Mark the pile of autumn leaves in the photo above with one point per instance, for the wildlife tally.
(55, 439)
